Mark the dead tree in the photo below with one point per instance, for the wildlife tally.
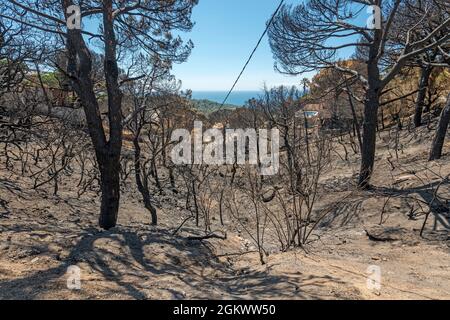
(432, 13)
(14, 52)
(441, 131)
(424, 79)
(132, 26)
(142, 116)
(310, 36)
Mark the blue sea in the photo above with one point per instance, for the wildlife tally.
(237, 98)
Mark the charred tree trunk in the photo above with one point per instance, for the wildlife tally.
(356, 125)
(155, 174)
(79, 67)
(382, 119)
(441, 131)
(197, 212)
(425, 73)
(110, 187)
(111, 164)
(371, 106)
(142, 184)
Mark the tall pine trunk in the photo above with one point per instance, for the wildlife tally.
(425, 73)
(371, 106)
(369, 138)
(110, 165)
(110, 187)
(107, 151)
(441, 131)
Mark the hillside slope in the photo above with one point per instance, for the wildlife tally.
(42, 235)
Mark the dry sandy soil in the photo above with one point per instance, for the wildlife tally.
(42, 235)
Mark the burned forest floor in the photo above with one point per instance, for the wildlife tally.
(42, 235)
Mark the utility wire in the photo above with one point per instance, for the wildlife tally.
(251, 55)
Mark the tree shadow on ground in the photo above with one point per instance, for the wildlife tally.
(143, 265)
(342, 213)
(437, 203)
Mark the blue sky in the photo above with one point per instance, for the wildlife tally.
(224, 35)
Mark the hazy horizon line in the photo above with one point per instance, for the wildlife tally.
(224, 90)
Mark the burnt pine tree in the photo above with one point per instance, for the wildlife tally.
(439, 57)
(427, 61)
(441, 131)
(424, 78)
(123, 26)
(14, 52)
(314, 35)
(145, 112)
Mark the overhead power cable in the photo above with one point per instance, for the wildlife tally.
(251, 55)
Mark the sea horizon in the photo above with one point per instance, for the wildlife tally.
(238, 98)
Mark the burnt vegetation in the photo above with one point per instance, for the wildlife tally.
(94, 110)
